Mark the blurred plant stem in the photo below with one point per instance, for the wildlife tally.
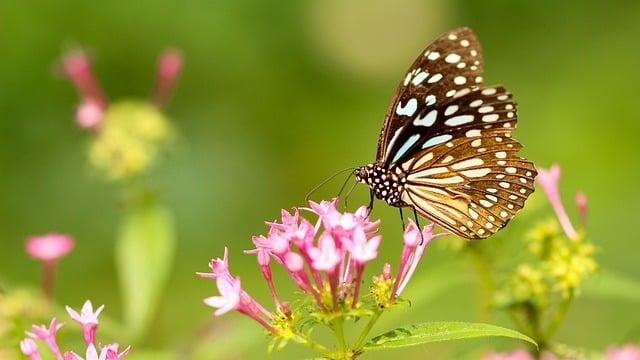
(144, 254)
(48, 279)
(488, 284)
(558, 316)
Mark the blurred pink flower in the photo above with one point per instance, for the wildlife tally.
(625, 352)
(30, 349)
(169, 68)
(108, 352)
(549, 179)
(49, 247)
(88, 319)
(515, 355)
(48, 336)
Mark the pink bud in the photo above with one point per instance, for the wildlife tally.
(49, 247)
(29, 349)
(169, 67)
(77, 67)
(581, 204)
(386, 271)
(89, 115)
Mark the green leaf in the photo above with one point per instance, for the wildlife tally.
(439, 331)
(144, 253)
(610, 285)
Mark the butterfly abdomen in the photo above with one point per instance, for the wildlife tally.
(385, 184)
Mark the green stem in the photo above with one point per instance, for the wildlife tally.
(366, 330)
(315, 346)
(558, 316)
(338, 329)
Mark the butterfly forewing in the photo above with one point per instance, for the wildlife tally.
(449, 67)
(451, 136)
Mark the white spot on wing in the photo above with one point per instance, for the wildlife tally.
(476, 172)
(451, 109)
(419, 78)
(467, 163)
(459, 120)
(434, 78)
(427, 120)
(437, 140)
(430, 100)
(433, 55)
(408, 109)
(460, 80)
(452, 58)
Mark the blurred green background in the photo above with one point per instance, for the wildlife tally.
(277, 95)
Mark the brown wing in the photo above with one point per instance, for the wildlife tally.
(448, 68)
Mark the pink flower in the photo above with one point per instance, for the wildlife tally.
(361, 249)
(49, 247)
(515, 355)
(625, 352)
(232, 297)
(229, 298)
(549, 179)
(415, 243)
(326, 256)
(30, 349)
(88, 319)
(169, 68)
(48, 336)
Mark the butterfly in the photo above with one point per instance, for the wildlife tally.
(446, 148)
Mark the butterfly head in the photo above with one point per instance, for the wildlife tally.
(385, 184)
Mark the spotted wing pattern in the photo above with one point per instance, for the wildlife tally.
(455, 144)
(450, 67)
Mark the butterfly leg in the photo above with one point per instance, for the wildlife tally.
(370, 207)
(402, 219)
(415, 216)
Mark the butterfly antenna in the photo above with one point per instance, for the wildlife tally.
(346, 197)
(321, 184)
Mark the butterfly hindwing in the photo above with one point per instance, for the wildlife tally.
(472, 188)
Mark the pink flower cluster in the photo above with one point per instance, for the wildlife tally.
(90, 112)
(87, 318)
(325, 259)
